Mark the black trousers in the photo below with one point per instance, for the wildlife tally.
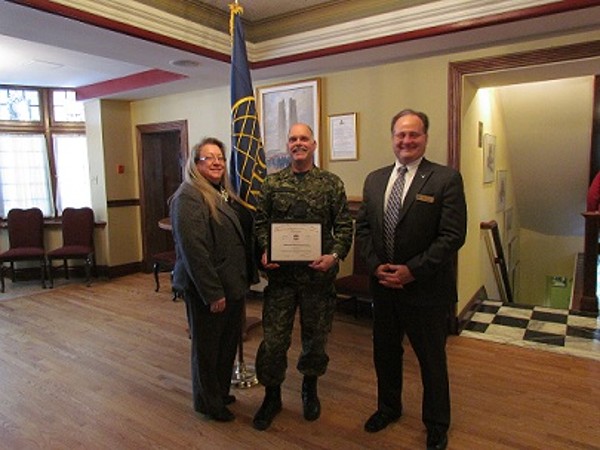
(427, 329)
(214, 338)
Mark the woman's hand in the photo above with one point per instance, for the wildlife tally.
(266, 264)
(218, 306)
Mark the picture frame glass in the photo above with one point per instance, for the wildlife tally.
(343, 143)
(489, 158)
(280, 107)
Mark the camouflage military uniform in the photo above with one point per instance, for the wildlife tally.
(317, 196)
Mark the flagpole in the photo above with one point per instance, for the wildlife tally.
(244, 376)
(248, 167)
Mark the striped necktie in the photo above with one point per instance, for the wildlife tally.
(392, 210)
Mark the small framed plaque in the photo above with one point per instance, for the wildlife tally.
(295, 242)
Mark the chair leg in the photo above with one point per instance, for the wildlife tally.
(88, 269)
(43, 274)
(156, 269)
(12, 271)
(50, 274)
(66, 266)
(173, 290)
(94, 268)
(2, 277)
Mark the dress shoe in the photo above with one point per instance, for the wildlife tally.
(379, 420)
(229, 399)
(222, 415)
(310, 400)
(270, 407)
(437, 440)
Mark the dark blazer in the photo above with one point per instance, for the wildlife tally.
(211, 255)
(431, 228)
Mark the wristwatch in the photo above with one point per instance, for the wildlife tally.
(335, 256)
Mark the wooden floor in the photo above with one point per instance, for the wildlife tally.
(107, 367)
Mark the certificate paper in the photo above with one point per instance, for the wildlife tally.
(295, 242)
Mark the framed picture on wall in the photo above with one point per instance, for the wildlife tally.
(508, 225)
(281, 106)
(489, 158)
(501, 190)
(343, 142)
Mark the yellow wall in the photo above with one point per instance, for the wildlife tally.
(476, 266)
(375, 94)
(534, 270)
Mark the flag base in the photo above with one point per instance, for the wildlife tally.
(244, 376)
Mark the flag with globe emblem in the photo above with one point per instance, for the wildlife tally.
(247, 166)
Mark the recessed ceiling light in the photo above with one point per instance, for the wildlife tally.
(184, 63)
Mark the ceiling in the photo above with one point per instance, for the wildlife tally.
(126, 49)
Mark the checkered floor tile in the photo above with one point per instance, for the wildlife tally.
(557, 330)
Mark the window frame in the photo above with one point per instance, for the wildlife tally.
(46, 126)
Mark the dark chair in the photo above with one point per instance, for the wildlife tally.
(78, 242)
(26, 241)
(355, 287)
(163, 262)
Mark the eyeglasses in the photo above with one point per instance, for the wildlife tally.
(210, 159)
(411, 135)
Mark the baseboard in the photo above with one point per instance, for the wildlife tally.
(124, 269)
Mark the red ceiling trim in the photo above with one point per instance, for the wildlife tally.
(128, 83)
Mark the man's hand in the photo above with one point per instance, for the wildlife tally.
(323, 263)
(393, 276)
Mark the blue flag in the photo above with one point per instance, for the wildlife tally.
(247, 167)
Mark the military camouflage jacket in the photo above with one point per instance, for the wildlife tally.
(317, 196)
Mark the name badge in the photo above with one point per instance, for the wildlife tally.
(425, 198)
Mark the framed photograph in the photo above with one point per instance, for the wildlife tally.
(501, 190)
(343, 143)
(489, 158)
(281, 106)
(508, 225)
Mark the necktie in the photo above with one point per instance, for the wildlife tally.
(392, 210)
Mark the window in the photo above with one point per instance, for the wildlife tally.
(20, 105)
(43, 150)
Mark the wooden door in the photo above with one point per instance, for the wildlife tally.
(163, 153)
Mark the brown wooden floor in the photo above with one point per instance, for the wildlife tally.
(107, 367)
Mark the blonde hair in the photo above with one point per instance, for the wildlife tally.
(194, 178)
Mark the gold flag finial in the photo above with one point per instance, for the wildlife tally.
(234, 8)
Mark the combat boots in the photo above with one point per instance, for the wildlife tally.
(310, 401)
(270, 407)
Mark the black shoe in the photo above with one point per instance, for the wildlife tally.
(310, 400)
(229, 399)
(222, 415)
(270, 407)
(437, 440)
(379, 420)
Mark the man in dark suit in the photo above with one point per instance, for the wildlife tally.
(410, 225)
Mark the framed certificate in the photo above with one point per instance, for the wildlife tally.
(295, 242)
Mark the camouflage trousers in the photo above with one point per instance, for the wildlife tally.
(317, 307)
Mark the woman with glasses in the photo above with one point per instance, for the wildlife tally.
(212, 234)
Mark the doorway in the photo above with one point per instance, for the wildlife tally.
(164, 148)
(571, 60)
